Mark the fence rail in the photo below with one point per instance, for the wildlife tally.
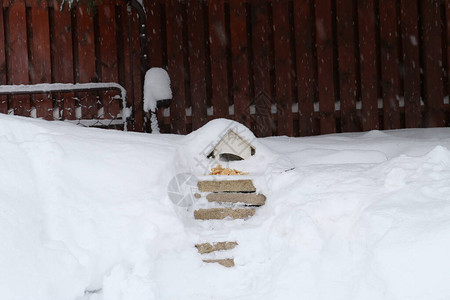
(281, 67)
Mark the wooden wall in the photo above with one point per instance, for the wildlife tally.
(40, 43)
(303, 67)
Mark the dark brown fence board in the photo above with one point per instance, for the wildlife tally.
(85, 68)
(240, 68)
(218, 53)
(3, 78)
(176, 65)
(411, 63)
(62, 57)
(261, 68)
(154, 34)
(154, 41)
(197, 61)
(125, 77)
(347, 65)
(137, 74)
(368, 64)
(108, 56)
(306, 64)
(389, 64)
(18, 55)
(447, 54)
(283, 67)
(40, 63)
(432, 58)
(325, 65)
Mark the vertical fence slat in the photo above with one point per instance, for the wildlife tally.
(125, 74)
(137, 73)
(86, 59)
(3, 79)
(447, 27)
(152, 7)
(433, 81)
(389, 64)
(368, 64)
(62, 56)
(218, 53)
(240, 68)
(306, 65)
(283, 76)
(325, 65)
(176, 66)
(411, 62)
(155, 42)
(18, 55)
(40, 63)
(261, 68)
(347, 65)
(197, 63)
(108, 56)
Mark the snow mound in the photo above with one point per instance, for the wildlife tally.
(200, 143)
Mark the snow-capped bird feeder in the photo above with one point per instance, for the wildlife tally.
(232, 147)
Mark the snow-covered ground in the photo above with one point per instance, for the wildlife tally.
(85, 215)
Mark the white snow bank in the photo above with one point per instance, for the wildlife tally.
(77, 205)
(84, 215)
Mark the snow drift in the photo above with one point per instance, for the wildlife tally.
(84, 215)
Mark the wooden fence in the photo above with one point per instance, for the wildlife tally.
(304, 67)
(298, 67)
(40, 43)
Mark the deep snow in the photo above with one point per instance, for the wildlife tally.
(85, 215)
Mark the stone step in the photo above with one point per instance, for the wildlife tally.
(208, 247)
(222, 213)
(227, 262)
(243, 185)
(250, 199)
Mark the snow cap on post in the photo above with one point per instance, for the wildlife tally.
(156, 88)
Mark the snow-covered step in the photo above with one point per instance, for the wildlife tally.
(246, 198)
(227, 262)
(222, 213)
(242, 185)
(205, 248)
